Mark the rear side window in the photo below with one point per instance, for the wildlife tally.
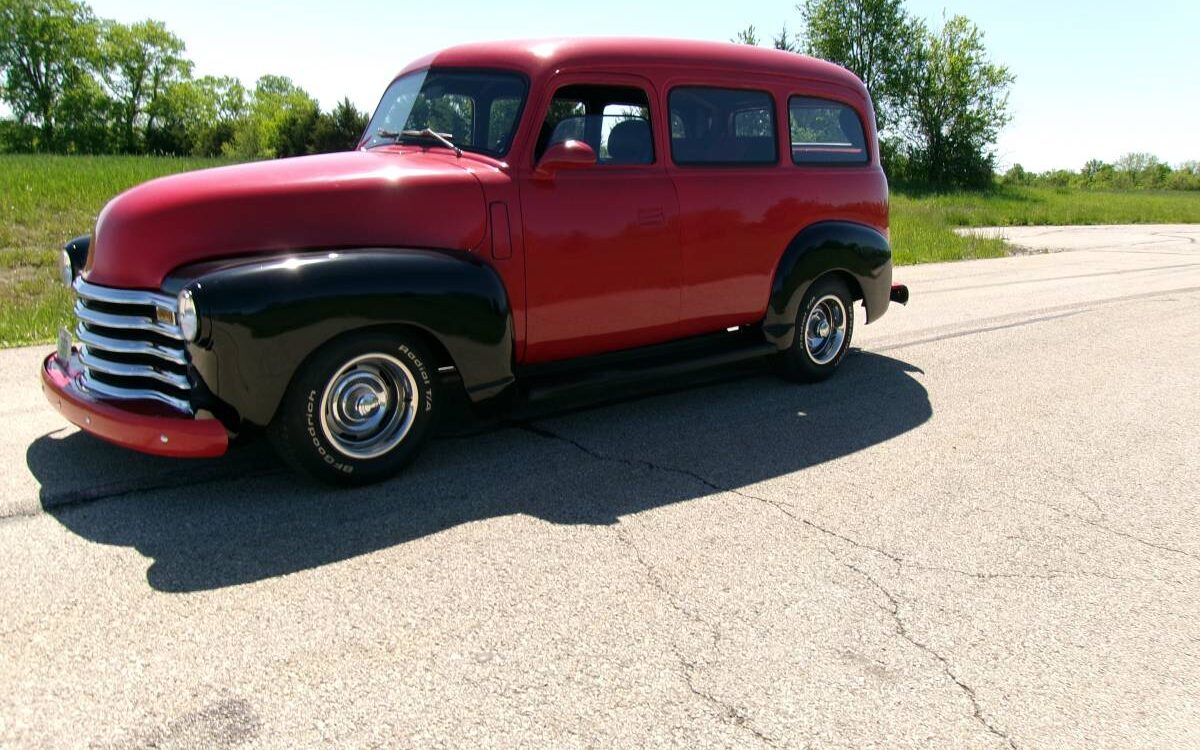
(825, 132)
(722, 126)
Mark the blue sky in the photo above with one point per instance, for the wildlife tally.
(1094, 79)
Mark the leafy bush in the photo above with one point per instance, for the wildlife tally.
(1016, 175)
(1135, 171)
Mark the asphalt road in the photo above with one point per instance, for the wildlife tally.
(982, 534)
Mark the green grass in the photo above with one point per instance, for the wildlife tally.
(922, 223)
(46, 200)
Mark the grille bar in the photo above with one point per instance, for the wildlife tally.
(108, 390)
(97, 342)
(94, 361)
(115, 296)
(124, 322)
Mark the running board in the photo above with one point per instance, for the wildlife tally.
(656, 367)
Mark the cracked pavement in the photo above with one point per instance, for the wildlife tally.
(981, 534)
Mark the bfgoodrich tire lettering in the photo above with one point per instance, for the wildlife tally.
(824, 328)
(359, 409)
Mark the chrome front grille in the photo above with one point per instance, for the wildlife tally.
(130, 345)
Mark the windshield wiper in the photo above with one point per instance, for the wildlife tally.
(425, 134)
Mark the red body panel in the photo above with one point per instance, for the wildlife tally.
(733, 239)
(594, 278)
(603, 263)
(124, 426)
(736, 221)
(377, 198)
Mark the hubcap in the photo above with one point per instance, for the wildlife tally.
(825, 329)
(369, 405)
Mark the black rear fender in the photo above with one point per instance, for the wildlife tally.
(858, 252)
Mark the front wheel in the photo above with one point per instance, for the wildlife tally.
(824, 327)
(358, 410)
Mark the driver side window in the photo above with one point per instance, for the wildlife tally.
(613, 120)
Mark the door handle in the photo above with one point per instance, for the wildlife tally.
(651, 217)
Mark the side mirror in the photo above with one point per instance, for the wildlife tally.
(569, 154)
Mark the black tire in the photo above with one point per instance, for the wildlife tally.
(358, 384)
(829, 296)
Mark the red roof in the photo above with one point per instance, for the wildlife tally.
(541, 56)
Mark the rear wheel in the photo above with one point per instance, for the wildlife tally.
(358, 410)
(824, 327)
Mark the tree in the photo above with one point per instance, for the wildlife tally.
(280, 116)
(870, 38)
(294, 130)
(140, 62)
(81, 85)
(1016, 175)
(197, 116)
(1092, 170)
(785, 41)
(179, 116)
(1141, 170)
(340, 128)
(46, 49)
(1185, 177)
(956, 103)
(17, 137)
(83, 119)
(1134, 164)
(748, 35)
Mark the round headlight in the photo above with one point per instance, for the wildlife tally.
(189, 321)
(65, 269)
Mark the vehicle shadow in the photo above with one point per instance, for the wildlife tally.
(243, 518)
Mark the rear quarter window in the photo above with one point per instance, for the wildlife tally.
(718, 126)
(825, 132)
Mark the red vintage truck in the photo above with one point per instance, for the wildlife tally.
(518, 217)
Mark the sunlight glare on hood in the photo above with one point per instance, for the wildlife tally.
(391, 173)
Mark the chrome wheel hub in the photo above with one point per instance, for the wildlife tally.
(369, 405)
(825, 329)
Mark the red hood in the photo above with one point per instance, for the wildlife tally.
(355, 199)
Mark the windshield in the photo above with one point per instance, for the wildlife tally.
(477, 110)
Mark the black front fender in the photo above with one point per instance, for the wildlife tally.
(261, 318)
(854, 250)
(77, 249)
